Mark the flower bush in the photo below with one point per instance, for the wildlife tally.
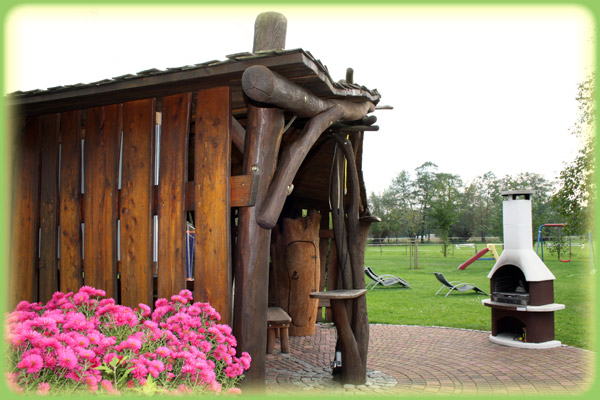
(82, 342)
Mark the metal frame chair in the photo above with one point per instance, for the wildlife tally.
(460, 286)
(385, 279)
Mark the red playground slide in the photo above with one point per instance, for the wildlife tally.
(473, 259)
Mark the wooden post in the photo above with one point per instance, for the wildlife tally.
(212, 157)
(269, 32)
(356, 241)
(49, 207)
(173, 178)
(101, 158)
(24, 238)
(263, 136)
(70, 207)
(416, 254)
(136, 202)
(323, 247)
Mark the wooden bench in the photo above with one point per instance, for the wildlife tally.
(278, 322)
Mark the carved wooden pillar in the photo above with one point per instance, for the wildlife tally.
(296, 270)
(263, 136)
(353, 311)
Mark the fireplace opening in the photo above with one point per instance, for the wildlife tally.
(510, 286)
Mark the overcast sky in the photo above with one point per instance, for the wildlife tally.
(474, 89)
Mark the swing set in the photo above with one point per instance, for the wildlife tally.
(540, 241)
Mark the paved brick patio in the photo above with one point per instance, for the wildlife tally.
(431, 360)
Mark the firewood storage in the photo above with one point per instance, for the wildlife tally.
(92, 175)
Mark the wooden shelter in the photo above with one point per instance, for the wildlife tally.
(242, 144)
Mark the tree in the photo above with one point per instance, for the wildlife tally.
(424, 185)
(443, 203)
(485, 205)
(576, 195)
(404, 192)
(397, 209)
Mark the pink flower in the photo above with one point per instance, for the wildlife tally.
(33, 363)
(132, 343)
(233, 370)
(91, 380)
(86, 353)
(182, 389)
(50, 361)
(92, 291)
(107, 385)
(80, 298)
(179, 299)
(187, 294)
(245, 360)
(179, 339)
(163, 351)
(156, 365)
(215, 386)
(18, 339)
(234, 390)
(43, 388)
(146, 311)
(161, 303)
(66, 358)
(81, 340)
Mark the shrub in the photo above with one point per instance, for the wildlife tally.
(80, 342)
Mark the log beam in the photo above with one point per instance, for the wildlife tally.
(238, 134)
(291, 160)
(265, 86)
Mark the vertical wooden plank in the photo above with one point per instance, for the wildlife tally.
(212, 275)
(101, 159)
(24, 251)
(48, 272)
(171, 194)
(70, 209)
(136, 202)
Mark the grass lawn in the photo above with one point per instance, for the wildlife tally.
(573, 287)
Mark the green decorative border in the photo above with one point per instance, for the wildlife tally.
(6, 6)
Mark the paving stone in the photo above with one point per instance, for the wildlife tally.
(406, 359)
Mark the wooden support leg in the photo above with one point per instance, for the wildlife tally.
(285, 339)
(263, 136)
(352, 371)
(270, 339)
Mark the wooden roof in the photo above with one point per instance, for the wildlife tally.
(297, 65)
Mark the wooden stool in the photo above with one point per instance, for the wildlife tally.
(354, 368)
(278, 321)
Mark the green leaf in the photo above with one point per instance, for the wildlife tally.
(104, 368)
(114, 362)
(125, 375)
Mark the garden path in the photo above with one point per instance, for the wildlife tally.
(430, 360)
